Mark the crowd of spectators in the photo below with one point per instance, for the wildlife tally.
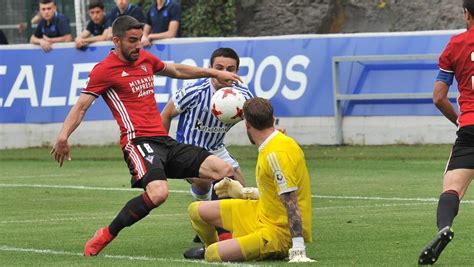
(162, 20)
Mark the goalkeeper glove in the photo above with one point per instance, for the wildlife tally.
(233, 189)
(298, 252)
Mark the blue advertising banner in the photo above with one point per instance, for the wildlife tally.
(294, 72)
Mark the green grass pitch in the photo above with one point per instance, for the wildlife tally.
(372, 206)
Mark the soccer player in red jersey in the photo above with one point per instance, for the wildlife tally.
(125, 80)
(457, 60)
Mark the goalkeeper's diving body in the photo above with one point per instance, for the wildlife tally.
(272, 221)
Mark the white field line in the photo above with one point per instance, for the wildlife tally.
(372, 206)
(379, 198)
(125, 257)
(72, 219)
(38, 176)
(84, 218)
(80, 187)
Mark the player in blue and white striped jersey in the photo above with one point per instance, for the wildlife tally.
(197, 125)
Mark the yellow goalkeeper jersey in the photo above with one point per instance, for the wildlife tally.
(281, 168)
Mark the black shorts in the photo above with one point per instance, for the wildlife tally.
(462, 154)
(161, 157)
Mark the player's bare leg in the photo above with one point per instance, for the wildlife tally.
(455, 185)
(215, 168)
(156, 193)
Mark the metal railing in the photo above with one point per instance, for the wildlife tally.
(339, 98)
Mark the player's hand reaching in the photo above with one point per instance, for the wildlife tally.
(61, 151)
(228, 188)
(227, 78)
(233, 189)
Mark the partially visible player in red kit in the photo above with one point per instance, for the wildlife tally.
(125, 80)
(456, 61)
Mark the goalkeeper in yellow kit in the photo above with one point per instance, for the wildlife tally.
(272, 221)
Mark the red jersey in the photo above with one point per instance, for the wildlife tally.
(128, 90)
(458, 58)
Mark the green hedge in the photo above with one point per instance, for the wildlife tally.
(208, 18)
(204, 17)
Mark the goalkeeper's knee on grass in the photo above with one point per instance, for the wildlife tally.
(212, 254)
(205, 231)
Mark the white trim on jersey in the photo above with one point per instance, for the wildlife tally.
(267, 140)
(118, 104)
(449, 71)
(90, 93)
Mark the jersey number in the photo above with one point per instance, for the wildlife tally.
(147, 147)
(472, 77)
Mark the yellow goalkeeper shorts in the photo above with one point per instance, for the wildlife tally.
(257, 241)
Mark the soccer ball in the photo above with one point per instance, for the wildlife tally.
(227, 104)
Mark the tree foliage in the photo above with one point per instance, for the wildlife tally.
(208, 18)
(211, 18)
(144, 4)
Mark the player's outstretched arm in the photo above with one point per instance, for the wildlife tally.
(441, 101)
(60, 149)
(298, 251)
(182, 71)
(168, 113)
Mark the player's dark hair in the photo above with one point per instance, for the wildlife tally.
(225, 52)
(124, 23)
(44, 2)
(259, 113)
(469, 6)
(94, 4)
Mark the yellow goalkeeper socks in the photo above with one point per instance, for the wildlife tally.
(205, 231)
(212, 254)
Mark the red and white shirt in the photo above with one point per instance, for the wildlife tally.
(458, 58)
(128, 90)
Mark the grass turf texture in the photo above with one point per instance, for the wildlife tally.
(372, 206)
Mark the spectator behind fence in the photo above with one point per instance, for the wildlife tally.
(163, 20)
(3, 38)
(96, 26)
(123, 7)
(53, 27)
(34, 20)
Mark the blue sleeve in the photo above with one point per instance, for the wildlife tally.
(110, 19)
(63, 26)
(90, 27)
(138, 14)
(38, 33)
(446, 77)
(175, 12)
(148, 17)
